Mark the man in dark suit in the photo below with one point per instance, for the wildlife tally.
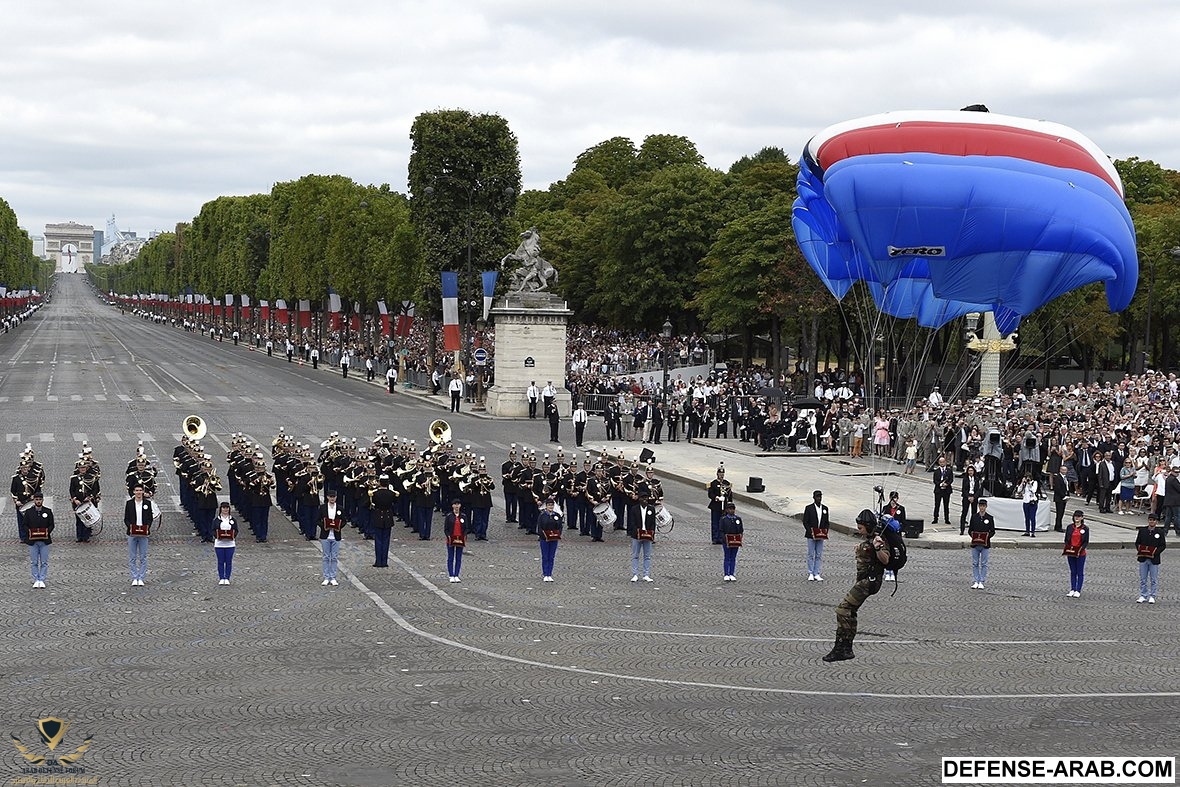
(815, 530)
(1171, 501)
(1086, 469)
(944, 477)
(1060, 494)
(972, 489)
(1104, 480)
(137, 517)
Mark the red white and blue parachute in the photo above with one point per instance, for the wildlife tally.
(943, 213)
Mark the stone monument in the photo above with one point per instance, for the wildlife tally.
(531, 326)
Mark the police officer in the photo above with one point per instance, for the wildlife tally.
(872, 553)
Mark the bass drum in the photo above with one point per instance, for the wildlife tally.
(605, 514)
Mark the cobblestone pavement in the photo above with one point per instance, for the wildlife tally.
(396, 676)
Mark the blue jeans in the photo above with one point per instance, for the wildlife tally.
(1149, 574)
(548, 554)
(729, 561)
(815, 554)
(638, 546)
(225, 561)
(39, 558)
(1030, 517)
(331, 557)
(137, 556)
(454, 559)
(1077, 571)
(979, 556)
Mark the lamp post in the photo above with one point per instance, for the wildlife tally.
(666, 333)
(470, 190)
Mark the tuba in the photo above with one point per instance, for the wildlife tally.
(194, 427)
(440, 432)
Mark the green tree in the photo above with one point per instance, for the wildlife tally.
(464, 176)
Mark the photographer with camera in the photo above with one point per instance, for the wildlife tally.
(872, 554)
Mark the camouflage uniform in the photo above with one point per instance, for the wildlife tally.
(868, 581)
(869, 572)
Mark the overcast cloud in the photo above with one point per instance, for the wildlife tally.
(147, 110)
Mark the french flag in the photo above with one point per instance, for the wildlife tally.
(405, 319)
(333, 310)
(384, 312)
(450, 308)
(489, 290)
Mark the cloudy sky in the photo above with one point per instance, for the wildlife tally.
(147, 110)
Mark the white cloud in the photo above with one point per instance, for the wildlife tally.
(148, 110)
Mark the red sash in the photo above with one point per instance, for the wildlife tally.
(42, 533)
(819, 533)
(1144, 551)
(734, 540)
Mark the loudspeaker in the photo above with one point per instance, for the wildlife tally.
(913, 528)
(646, 455)
(755, 484)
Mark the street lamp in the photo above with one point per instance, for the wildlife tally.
(666, 332)
(470, 189)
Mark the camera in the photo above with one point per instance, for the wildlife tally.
(879, 489)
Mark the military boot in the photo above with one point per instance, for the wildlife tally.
(841, 651)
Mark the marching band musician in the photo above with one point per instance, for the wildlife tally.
(507, 471)
(27, 481)
(424, 484)
(549, 536)
(619, 497)
(544, 487)
(561, 480)
(257, 497)
(383, 500)
(39, 522)
(636, 497)
(206, 485)
(455, 529)
(731, 532)
(331, 523)
(598, 491)
(142, 472)
(138, 513)
(720, 492)
(307, 484)
(480, 501)
(576, 495)
(84, 488)
(523, 479)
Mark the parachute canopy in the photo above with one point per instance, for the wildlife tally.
(943, 213)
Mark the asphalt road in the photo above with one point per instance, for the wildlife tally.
(397, 677)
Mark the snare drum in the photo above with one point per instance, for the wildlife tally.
(663, 516)
(89, 514)
(605, 514)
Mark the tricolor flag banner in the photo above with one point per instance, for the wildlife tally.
(245, 302)
(281, 308)
(489, 290)
(450, 309)
(383, 311)
(405, 319)
(265, 306)
(355, 322)
(304, 314)
(229, 300)
(333, 310)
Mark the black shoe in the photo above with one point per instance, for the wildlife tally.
(597, 539)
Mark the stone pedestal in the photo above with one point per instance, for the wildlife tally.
(530, 346)
(989, 361)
